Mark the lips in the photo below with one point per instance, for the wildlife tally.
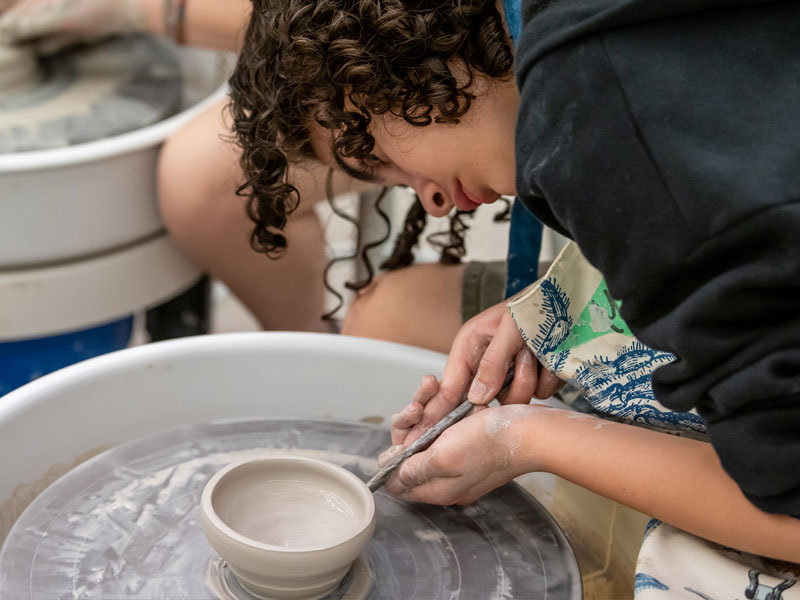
(463, 200)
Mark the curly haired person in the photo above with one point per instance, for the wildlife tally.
(661, 137)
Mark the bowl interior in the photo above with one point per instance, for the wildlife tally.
(293, 504)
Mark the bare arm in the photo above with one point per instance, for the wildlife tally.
(675, 479)
(217, 24)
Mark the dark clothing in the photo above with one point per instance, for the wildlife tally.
(664, 137)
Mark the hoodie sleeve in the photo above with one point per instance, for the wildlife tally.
(670, 152)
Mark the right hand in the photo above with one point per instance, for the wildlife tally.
(479, 359)
(54, 24)
(473, 457)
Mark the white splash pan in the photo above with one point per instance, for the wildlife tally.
(52, 421)
(81, 200)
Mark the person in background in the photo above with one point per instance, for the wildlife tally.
(199, 173)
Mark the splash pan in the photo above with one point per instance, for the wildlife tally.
(126, 525)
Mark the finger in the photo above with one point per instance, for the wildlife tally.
(468, 350)
(414, 472)
(495, 362)
(427, 389)
(21, 23)
(443, 491)
(402, 422)
(447, 397)
(548, 383)
(385, 457)
(462, 364)
(526, 377)
(410, 416)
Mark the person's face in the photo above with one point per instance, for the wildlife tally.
(463, 165)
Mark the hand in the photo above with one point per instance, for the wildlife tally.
(479, 358)
(54, 24)
(476, 455)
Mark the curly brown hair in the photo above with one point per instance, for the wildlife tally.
(337, 63)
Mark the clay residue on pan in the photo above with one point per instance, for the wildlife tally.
(25, 493)
(372, 420)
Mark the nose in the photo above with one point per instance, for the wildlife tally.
(435, 200)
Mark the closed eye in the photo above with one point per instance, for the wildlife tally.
(369, 170)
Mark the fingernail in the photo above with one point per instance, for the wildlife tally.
(477, 391)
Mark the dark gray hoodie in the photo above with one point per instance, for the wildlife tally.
(664, 137)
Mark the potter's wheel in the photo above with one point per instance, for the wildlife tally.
(85, 93)
(125, 525)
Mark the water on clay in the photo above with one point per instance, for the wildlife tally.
(125, 525)
(294, 514)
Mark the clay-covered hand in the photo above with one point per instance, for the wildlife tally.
(480, 357)
(54, 24)
(476, 455)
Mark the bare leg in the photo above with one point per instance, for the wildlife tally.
(198, 176)
(419, 305)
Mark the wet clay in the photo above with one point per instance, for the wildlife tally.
(85, 93)
(19, 69)
(288, 527)
(289, 513)
(22, 495)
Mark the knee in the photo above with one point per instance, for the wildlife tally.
(369, 311)
(417, 305)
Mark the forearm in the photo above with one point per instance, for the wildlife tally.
(217, 24)
(675, 479)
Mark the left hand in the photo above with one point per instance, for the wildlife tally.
(476, 455)
(479, 359)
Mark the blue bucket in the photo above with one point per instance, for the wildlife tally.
(22, 361)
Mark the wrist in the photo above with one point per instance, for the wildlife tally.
(174, 17)
(526, 437)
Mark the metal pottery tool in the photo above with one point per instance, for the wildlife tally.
(430, 436)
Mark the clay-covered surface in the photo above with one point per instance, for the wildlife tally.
(126, 525)
(91, 92)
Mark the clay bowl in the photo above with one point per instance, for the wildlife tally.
(288, 527)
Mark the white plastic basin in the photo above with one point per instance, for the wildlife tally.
(53, 422)
(64, 203)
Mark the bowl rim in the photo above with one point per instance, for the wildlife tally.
(208, 511)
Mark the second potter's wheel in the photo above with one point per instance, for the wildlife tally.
(86, 92)
(125, 525)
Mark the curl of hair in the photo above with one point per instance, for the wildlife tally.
(337, 63)
(451, 242)
(403, 250)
